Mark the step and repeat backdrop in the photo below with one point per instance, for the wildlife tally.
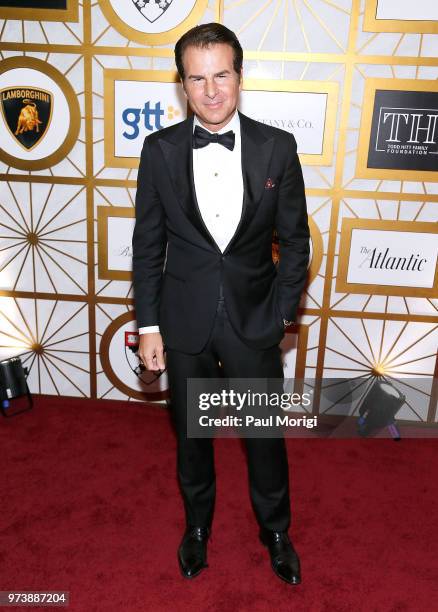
(82, 84)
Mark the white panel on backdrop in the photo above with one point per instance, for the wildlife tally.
(120, 231)
(141, 108)
(381, 257)
(407, 10)
(302, 114)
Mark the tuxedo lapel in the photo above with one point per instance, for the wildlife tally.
(256, 156)
(178, 154)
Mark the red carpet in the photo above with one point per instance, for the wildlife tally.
(89, 504)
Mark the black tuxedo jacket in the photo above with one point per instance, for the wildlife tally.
(178, 267)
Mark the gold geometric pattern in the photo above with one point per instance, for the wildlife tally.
(51, 338)
(313, 328)
(409, 37)
(306, 26)
(43, 241)
(319, 210)
(36, 29)
(54, 298)
(404, 352)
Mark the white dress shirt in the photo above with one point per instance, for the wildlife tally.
(217, 174)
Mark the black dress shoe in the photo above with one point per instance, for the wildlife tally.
(192, 553)
(284, 559)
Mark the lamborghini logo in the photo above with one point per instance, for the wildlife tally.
(27, 112)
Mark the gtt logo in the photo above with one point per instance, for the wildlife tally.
(152, 115)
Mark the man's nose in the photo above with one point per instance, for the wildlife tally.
(210, 88)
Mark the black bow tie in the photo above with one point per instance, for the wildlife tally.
(202, 138)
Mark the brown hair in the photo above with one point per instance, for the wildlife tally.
(205, 35)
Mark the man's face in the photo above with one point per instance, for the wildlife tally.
(211, 85)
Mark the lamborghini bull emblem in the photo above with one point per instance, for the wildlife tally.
(28, 119)
(152, 9)
(27, 112)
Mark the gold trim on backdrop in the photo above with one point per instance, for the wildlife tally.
(268, 56)
(219, 11)
(389, 174)
(302, 332)
(348, 225)
(317, 250)
(103, 214)
(331, 89)
(111, 75)
(71, 13)
(63, 150)
(372, 24)
(161, 38)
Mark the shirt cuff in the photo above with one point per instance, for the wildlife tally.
(150, 329)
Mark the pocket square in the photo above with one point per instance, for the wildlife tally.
(269, 184)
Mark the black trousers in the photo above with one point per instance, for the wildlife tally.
(267, 457)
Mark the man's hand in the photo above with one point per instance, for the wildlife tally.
(151, 351)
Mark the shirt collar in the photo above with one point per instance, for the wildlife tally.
(233, 124)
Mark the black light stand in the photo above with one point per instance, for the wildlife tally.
(13, 384)
(379, 408)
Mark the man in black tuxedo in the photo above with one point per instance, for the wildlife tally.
(211, 190)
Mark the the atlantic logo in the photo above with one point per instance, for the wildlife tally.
(404, 131)
(152, 114)
(27, 112)
(378, 259)
(388, 258)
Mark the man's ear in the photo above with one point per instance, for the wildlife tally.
(241, 79)
(183, 88)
